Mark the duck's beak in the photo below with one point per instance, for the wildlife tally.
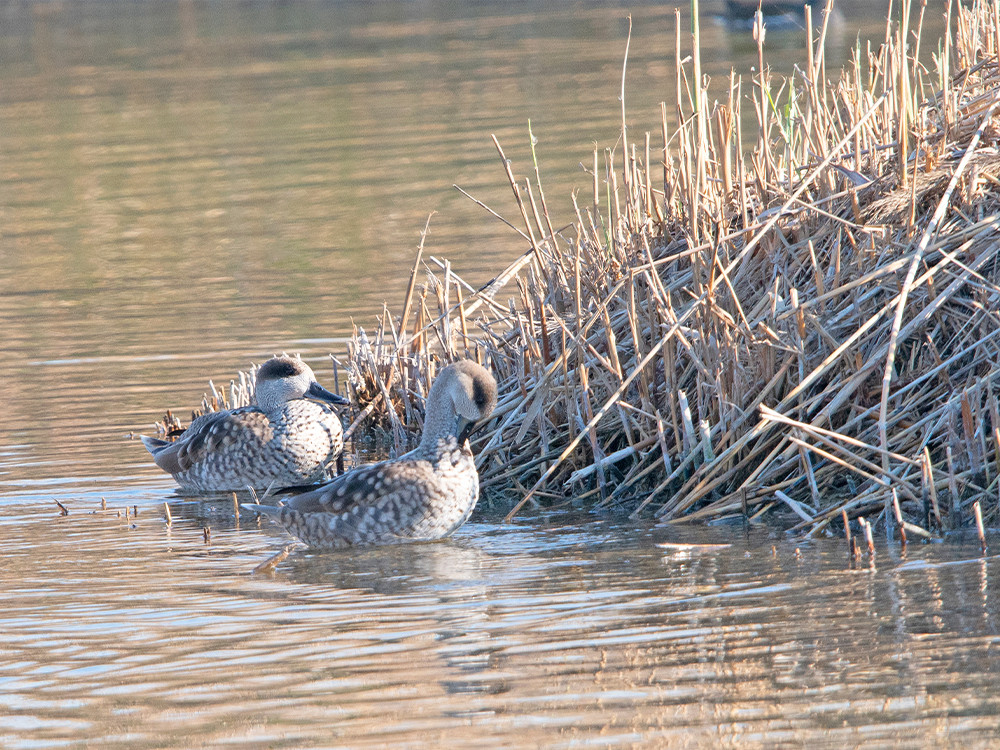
(317, 392)
(467, 428)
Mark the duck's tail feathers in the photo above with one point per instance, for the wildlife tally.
(264, 510)
(154, 445)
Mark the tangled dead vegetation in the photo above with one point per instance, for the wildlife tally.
(794, 319)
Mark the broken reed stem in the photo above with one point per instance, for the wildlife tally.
(411, 284)
(899, 517)
(979, 526)
(868, 539)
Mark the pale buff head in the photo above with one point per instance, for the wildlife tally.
(462, 397)
(283, 379)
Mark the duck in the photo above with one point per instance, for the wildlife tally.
(288, 438)
(421, 496)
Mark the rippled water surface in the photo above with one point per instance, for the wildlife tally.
(555, 632)
(188, 187)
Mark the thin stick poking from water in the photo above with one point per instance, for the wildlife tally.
(979, 525)
(899, 517)
(868, 538)
(273, 561)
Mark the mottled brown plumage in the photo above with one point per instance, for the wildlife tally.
(423, 495)
(288, 438)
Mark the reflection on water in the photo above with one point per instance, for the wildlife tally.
(187, 187)
(557, 632)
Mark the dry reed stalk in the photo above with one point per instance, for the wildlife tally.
(868, 539)
(812, 321)
(898, 515)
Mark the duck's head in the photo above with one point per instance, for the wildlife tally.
(472, 393)
(283, 379)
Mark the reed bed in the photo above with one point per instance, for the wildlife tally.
(794, 319)
(784, 310)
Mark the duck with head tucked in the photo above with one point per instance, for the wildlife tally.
(289, 438)
(421, 496)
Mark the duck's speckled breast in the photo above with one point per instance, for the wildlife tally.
(309, 436)
(457, 493)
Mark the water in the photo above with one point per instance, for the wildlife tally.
(555, 631)
(189, 187)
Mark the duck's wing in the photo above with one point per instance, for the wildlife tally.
(210, 434)
(378, 503)
(393, 482)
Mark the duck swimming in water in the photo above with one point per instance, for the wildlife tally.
(423, 495)
(288, 438)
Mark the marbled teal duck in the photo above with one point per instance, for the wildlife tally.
(288, 438)
(423, 495)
